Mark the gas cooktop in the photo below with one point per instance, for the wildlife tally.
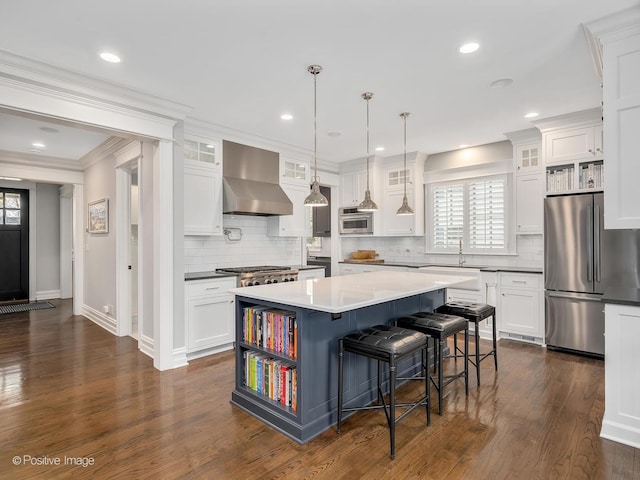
(260, 268)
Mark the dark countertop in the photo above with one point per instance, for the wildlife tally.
(481, 267)
(204, 275)
(622, 296)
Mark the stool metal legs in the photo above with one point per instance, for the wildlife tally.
(390, 410)
(439, 356)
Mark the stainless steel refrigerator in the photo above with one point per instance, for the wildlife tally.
(581, 260)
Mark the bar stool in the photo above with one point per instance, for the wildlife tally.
(385, 343)
(474, 312)
(439, 326)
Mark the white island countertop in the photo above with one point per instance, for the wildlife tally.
(349, 292)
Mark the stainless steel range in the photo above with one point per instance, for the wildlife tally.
(262, 275)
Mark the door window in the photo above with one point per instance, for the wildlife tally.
(10, 208)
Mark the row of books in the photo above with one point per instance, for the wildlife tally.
(271, 329)
(272, 378)
(560, 179)
(591, 176)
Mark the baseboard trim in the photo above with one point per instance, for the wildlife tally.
(620, 433)
(47, 295)
(180, 357)
(145, 345)
(99, 318)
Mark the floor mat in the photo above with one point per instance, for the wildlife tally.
(25, 307)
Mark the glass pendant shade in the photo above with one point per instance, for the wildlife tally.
(315, 198)
(405, 209)
(367, 205)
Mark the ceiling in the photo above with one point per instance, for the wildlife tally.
(242, 63)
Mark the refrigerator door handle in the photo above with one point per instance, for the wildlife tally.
(590, 244)
(574, 296)
(596, 244)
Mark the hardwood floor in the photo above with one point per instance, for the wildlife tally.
(70, 389)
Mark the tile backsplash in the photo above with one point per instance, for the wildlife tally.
(412, 249)
(203, 254)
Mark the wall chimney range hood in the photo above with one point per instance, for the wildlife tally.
(251, 182)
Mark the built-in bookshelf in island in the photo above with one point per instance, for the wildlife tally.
(288, 333)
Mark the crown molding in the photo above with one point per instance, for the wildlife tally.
(80, 86)
(583, 118)
(608, 29)
(111, 146)
(529, 135)
(19, 158)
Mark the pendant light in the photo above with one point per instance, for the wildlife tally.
(367, 204)
(315, 198)
(405, 209)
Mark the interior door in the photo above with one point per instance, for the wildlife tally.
(14, 244)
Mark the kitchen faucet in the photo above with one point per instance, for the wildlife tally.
(461, 259)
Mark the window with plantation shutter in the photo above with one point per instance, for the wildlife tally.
(473, 211)
(448, 215)
(487, 214)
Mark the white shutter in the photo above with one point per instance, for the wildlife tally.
(487, 214)
(448, 215)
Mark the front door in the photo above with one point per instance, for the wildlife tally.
(14, 244)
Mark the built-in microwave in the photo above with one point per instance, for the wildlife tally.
(351, 221)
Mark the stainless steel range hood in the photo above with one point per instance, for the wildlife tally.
(251, 181)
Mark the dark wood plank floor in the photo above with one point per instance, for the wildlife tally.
(70, 389)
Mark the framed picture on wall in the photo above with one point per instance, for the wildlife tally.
(98, 216)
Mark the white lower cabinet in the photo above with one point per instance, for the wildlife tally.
(351, 268)
(519, 309)
(621, 422)
(309, 273)
(209, 316)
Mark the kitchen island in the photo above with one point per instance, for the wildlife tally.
(287, 343)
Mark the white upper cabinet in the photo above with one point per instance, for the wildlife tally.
(530, 181)
(621, 93)
(352, 187)
(573, 152)
(295, 181)
(294, 171)
(528, 158)
(395, 177)
(574, 144)
(202, 187)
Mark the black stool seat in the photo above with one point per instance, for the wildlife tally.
(385, 343)
(439, 326)
(474, 312)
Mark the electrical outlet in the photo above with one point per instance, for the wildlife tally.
(105, 308)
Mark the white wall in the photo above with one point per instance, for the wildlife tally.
(100, 249)
(204, 254)
(47, 240)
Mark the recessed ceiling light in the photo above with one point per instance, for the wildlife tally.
(38, 144)
(110, 57)
(334, 134)
(501, 83)
(469, 47)
(13, 179)
(464, 145)
(286, 116)
(379, 149)
(531, 115)
(49, 129)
